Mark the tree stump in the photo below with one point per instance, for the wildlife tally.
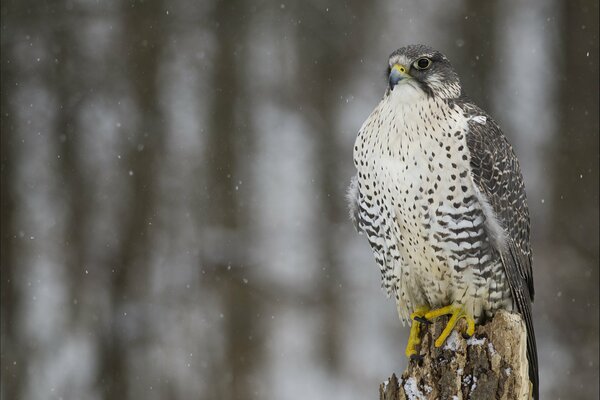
(492, 364)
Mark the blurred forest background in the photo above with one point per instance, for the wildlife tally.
(173, 178)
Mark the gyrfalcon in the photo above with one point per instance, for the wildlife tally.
(440, 196)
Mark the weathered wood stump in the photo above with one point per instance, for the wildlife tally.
(490, 365)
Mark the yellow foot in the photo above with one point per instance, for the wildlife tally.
(457, 313)
(414, 339)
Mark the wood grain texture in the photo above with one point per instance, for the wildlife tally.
(490, 365)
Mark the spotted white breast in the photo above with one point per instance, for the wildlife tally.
(424, 217)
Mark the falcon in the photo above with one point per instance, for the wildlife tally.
(440, 196)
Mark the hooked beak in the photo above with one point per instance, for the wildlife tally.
(397, 73)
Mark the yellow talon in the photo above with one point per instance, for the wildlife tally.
(414, 339)
(457, 313)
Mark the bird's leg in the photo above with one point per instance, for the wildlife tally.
(414, 339)
(457, 312)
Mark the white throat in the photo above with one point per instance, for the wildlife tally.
(406, 92)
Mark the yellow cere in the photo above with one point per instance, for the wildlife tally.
(400, 68)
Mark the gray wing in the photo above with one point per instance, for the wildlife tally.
(497, 175)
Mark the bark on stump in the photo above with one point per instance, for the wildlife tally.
(490, 365)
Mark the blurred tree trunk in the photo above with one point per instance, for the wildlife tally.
(145, 36)
(575, 180)
(12, 370)
(16, 353)
(328, 70)
(490, 365)
(229, 150)
(68, 85)
(577, 144)
(478, 53)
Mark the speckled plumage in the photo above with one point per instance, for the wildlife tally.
(440, 197)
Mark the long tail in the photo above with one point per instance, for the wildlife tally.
(523, 300)
(525, 310)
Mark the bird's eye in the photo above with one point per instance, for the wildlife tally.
(422, 63)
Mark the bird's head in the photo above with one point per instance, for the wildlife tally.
(420, 71)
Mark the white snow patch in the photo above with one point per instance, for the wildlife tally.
(452, 342)
(474, 385)
(467, 379)
(491, 348)
(473, 341)
(507, 371)
(412, 390)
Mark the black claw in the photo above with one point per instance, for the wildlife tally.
(466, 335)
(423, 320)
(416, 357)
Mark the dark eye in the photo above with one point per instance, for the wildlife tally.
(422, 63)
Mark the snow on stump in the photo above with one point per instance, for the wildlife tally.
(490, 365)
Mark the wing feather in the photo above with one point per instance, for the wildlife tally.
(352, 197)
(497, 175)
